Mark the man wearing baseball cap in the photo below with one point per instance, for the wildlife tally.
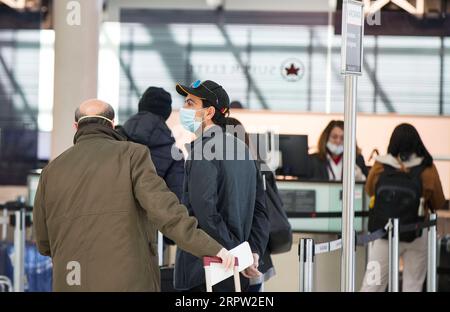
(222, 187)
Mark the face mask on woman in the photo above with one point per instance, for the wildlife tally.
(187, 119)
(335, 149)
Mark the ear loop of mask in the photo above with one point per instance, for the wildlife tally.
(202, 118)
(96, 116)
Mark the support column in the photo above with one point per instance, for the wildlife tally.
(76, 25)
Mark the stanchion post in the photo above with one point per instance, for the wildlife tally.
(393, 255)
(5, 224)
(432, 252)
(19, 251)
(351, 67)
(301, 264)
(306, 264)
(160, 249)
(309, 265)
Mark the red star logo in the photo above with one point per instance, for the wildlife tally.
(292, 70)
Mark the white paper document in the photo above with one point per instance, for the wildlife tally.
(245, 258)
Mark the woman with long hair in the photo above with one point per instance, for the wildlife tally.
(408, 154)
(327, 163)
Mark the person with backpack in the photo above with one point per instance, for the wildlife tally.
(403, 184)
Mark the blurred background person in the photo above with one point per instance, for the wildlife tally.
(148, 127)
(236, 105)
(327, 163)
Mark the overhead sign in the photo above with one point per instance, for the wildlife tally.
(352, 37)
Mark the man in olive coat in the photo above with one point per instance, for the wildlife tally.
(97, 209)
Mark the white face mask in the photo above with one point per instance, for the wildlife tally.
(335, 149)
(97, 116)
(189, 120)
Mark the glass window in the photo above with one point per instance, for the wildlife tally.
(281, 67)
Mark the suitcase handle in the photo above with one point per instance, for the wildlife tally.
(208, 260)
(207, 265)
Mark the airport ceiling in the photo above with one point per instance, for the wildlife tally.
(399, 18)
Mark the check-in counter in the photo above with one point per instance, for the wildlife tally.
(306, 202)
(314, 209)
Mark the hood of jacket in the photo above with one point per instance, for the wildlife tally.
(392, 161)
(148, 129)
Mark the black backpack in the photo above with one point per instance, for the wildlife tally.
(397, 195)
(280, 233)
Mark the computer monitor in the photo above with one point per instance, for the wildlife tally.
(294, 155)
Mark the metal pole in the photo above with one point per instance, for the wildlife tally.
(348, 237)
(301, 264)
(306, 266)
(432, 250)
(5, 224)
(19, 251)
(309, 265)
(160, 249)
(393, 255)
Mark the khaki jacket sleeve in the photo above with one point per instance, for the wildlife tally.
(164, 210)
(39, 218)
(432, 188)
(372, 179)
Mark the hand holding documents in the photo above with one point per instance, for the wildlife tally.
(245, 259)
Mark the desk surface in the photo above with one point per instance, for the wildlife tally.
(443, 214)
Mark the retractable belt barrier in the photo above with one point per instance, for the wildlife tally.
(313, 215)
(20, 220)
(308, 249)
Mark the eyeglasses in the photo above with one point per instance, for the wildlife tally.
(199, 83)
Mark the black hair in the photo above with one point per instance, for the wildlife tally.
(107, 113)
(405, 141)
(236, 123)
(219, 119)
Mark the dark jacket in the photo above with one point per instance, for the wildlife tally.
(99, 204)
(318, 168)
(227, 198)
(151, 130)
